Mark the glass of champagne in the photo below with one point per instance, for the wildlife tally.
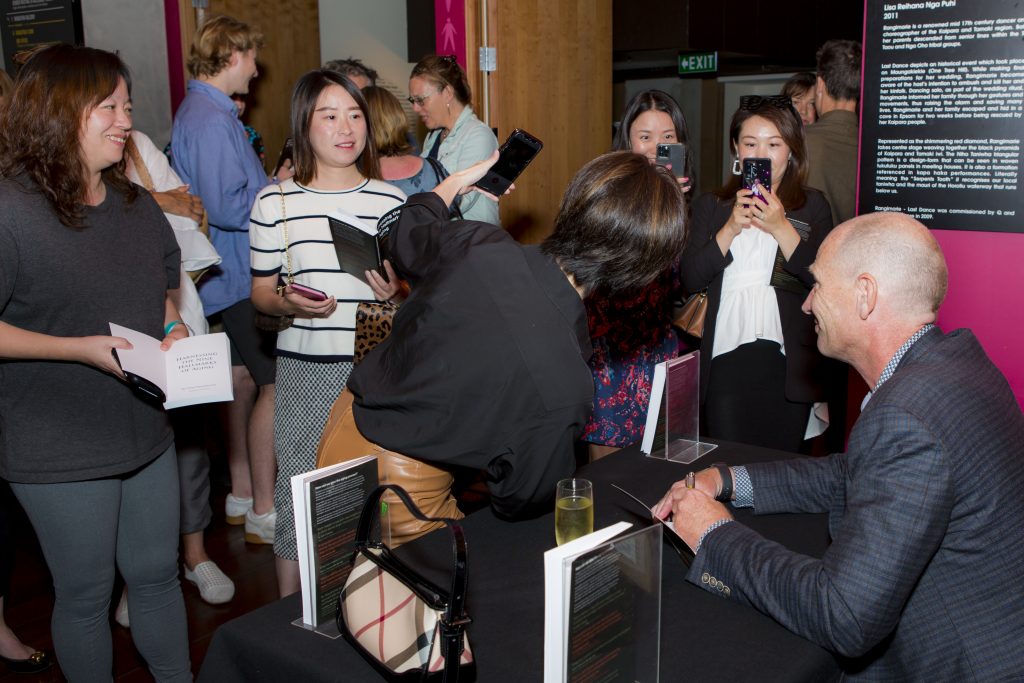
(574, 510)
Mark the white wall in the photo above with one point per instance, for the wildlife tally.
(136, 30)
(373, 31)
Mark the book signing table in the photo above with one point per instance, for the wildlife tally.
(703, 637)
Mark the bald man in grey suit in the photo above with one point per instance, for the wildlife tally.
(924, 578)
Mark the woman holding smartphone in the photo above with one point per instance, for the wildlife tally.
(336, 171)
(92, 463)
(760, 367)
(439, 92)
(632, 331)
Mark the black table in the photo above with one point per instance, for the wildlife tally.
(703, 637)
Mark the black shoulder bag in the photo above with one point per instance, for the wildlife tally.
(408, 628)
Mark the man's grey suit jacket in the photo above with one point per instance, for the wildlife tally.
(924, 578)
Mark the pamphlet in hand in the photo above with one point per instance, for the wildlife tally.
(194, 370)
(360, 246)
(602, 606)
(327, 504)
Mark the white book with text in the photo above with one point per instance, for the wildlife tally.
(194, 370)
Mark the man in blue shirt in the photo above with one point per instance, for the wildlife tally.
(211, 153)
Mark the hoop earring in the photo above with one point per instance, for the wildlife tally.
(736, 166)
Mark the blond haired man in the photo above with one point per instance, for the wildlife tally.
(211, 153)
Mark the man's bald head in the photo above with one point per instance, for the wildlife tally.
(900, 253)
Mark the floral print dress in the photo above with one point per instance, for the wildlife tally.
(631, 333)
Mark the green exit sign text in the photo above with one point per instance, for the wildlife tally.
(698, 63)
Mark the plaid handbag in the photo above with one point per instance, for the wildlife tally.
(408, 628)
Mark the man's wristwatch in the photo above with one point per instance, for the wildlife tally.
(726, 474)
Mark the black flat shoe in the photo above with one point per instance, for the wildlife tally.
(39, 661)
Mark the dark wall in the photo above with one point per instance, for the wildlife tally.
(783, 32)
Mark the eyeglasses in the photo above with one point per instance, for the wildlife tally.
(419, 100)
(752, 102)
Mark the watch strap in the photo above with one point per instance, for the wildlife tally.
(727, 485)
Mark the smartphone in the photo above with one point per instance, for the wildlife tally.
(513, 157)
(673, 154)
(140, 384)
(287, 151)
(757, 170)
(308, 292)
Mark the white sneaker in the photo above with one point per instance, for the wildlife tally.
(214, 585)
(121, 613)
(260, 528)
(235, 509)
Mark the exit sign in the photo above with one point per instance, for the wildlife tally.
(698, 63)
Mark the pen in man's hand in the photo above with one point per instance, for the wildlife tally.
(689, 480)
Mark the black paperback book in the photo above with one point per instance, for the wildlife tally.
(359, 249)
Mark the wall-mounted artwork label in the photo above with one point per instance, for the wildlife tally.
(943, 113)
(26, 24)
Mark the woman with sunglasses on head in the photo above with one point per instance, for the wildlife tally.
(760, 367)
(439, 92)
(92, 462)
(336, 170)
(632, 331)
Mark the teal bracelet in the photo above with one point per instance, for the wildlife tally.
(170, 326)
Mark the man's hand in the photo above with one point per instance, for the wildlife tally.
(693, 510)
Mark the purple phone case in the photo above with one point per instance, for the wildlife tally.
(757, 170)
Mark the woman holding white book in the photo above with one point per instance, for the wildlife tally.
(91, 462)
(337, 172)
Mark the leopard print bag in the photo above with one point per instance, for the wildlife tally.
(373, 325)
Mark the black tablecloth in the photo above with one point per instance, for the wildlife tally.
(703, 637)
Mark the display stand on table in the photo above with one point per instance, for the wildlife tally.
(673, 415)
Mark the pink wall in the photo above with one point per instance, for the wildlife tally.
(986, 294)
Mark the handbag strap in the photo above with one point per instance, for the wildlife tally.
(140, 165)
(284, 228)
(441, 172)
(454, 620)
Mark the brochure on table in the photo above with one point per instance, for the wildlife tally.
(602, 606)
(194, 370)
(672, 429)
(327, 504)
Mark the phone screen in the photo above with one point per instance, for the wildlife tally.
(673, 154)
(515, 155)
(757, 170)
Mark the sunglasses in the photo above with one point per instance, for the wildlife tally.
(420, 99)
(753, 102)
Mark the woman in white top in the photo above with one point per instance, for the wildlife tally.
(336, 173)
(440, 94)
(760, 367)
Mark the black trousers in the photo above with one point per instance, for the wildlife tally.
(746, 399)
(6, 537)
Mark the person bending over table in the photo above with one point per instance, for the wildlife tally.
(924, 579)
(486, 366)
